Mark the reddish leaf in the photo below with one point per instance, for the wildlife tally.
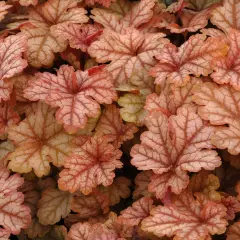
(192, 57)
(173, 146)
(187, 219)
(40, 140)
(79, 231)
(91, 165)
(215, 108)
(171, 98)
(232, 205)
(111, 125)
(138, 212)
(227, 68)
(119, 189)
(79, 36)
(127, 52)
(42, 40)
(227, 16)
(78, 94)
(14, 215)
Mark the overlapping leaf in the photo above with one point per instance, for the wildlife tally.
(14, 215)
(91, 165)
(39, 140)
(234, 231)
(192, 57)
(220, 105)
(227, 68)
(5, 149)
(173, 146)
(3, 9)
(111, 125)
(128, 52)
(42, 40)
(198, 5)
(27, 2)
(227, 16)
(11, 62)
(78, 94)
(187, 219)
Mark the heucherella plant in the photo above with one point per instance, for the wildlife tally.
(120, 119)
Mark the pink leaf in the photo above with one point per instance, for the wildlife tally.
(3, 9)
(192, 57)
(128, 52)
(93, 164)
(227, 68)
(79, 36)
(79, 231)
(173, 146)
(138, 211)
(14, 215)
(78, 94)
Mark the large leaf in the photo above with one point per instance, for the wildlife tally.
(42, 40)
(111, 125)
(187, 219)
(78, 94)
(128, 52)
(13, 214)
(192, 57)
(220, 105)
(91, 165)
(40, 140)
(227, 16)
(173, 146)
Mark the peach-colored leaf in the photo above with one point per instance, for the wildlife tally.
(8, 117)
(117, 190)
(123, 14)
(192, 57)
(79, 36)
(233, 232)
(5, 90)
(53, 205)
(14, 215)
(186, 219)
(227, 16)
(173, 146)
(171, 98)
(80, 231)
(138, 211)
(111, 125)
(27, 2)
(232, 205)
(3, 9)
(4, 234)
(42, 40)
(226, 69)
(78, 94)
(191, 21)
(91, 165)
(220, 105)
(101, 232)
(128, 52)
(199, 5)
(11, 61)
(40, 140)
